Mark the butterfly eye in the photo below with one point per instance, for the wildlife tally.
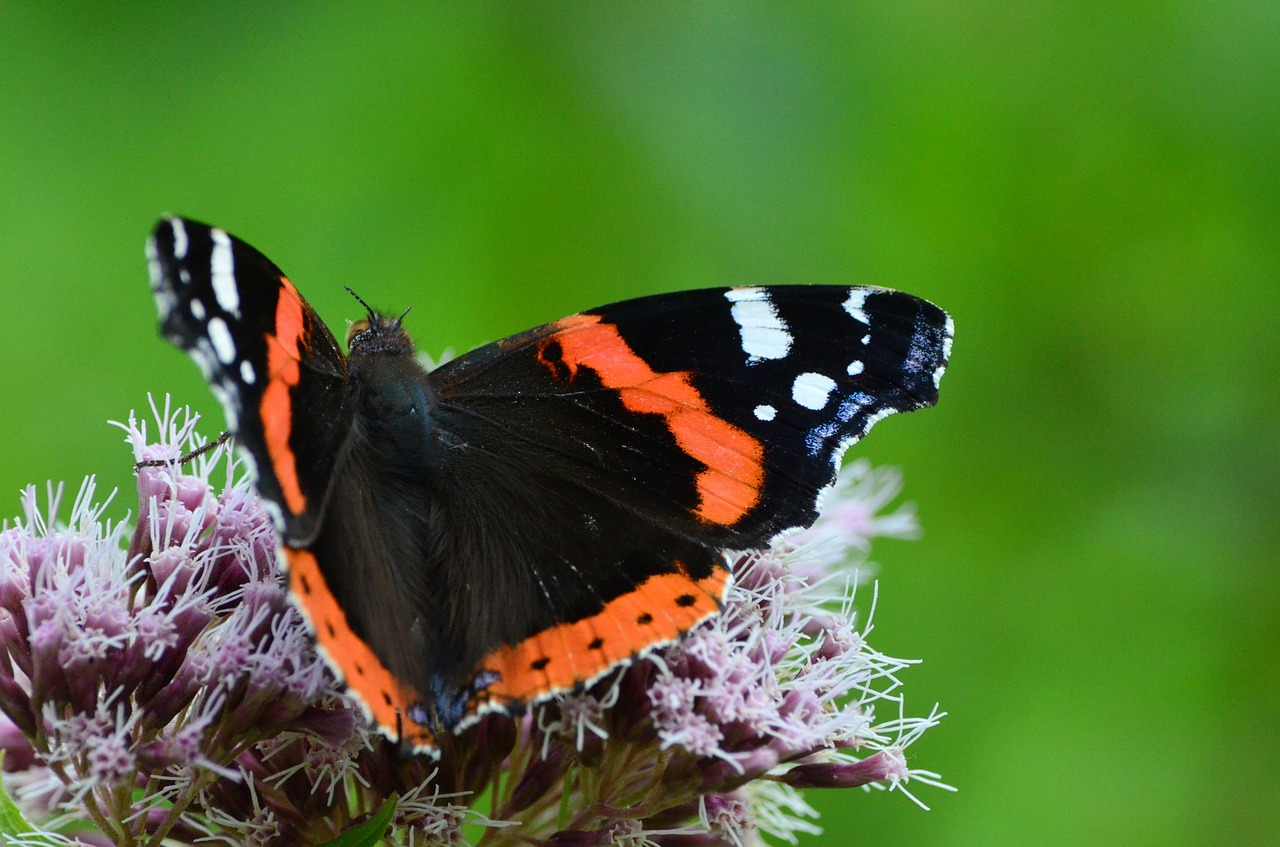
(354, 329)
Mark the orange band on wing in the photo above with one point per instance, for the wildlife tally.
(385, 700)
(734, 460)
(655, 612)
(276, 406)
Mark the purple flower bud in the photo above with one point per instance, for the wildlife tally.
(580, 720)
(182, 748)
(878, 767)
(697, 735)
(489, 742)
(185, 677)
(727, 816)
(15, 576)
(771, 647)
(759, 571)
(191, 491)
(717, 776)
(673, 701)
(110, 760)
(540, 776)
(16, 704)
(629, 718)
(48, 680)
(801, 705)
(13, 643)
(176, 521)
(153, 482)
(333, 726)
(156, 633)
(19, 755)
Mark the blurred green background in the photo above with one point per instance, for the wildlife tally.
(1090, 188)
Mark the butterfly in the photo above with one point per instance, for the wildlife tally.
(525, 518)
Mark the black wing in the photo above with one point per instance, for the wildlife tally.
(270, 360)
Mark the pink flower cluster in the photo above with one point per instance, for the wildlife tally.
(157, 684)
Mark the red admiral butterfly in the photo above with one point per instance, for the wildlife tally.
(525, 518)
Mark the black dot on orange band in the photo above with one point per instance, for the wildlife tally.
(305, 583)
(552, 355)
(645, 619)
(386, 698)
(596, 644)
(333, 633)
(359, 669)
(686, 600)
(539, 664)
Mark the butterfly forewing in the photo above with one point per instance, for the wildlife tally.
(722, 412)
(271, 361)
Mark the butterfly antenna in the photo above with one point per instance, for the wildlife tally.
(360, 300)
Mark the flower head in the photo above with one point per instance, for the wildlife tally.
(157, 684)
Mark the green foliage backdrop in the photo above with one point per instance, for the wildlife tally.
(1091, 188)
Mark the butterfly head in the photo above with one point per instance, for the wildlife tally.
(377, 333)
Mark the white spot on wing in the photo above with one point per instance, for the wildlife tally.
(246, 373)
(856, 304)
(855, 367)
(224, 347)
(764, 334)
(198, 311)
(766, 413)
(180, 242)
(812, 390)
(222, 267)
(946, 352)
